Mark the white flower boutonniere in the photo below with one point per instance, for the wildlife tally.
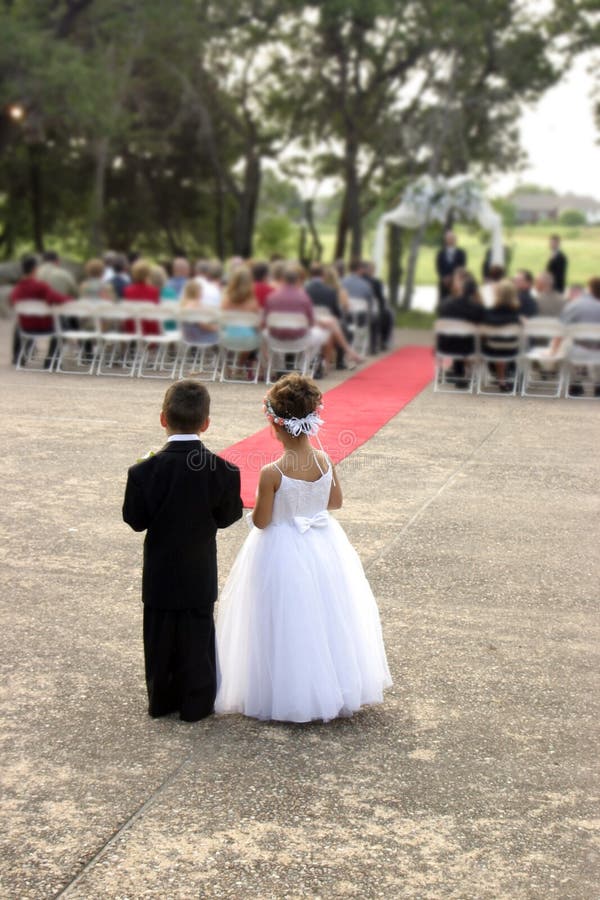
(147, 456)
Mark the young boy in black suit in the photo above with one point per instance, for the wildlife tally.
(181, 496)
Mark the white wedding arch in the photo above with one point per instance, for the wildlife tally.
(431, 199)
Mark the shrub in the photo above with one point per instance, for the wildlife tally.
(572, 218)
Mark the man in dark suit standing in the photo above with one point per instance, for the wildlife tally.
(448, 260)
(557, 265)
(180, 496)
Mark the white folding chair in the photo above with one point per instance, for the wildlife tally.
(359, 319)
(77, 334)
(30, 338)
(287, 354)
(505, 341)
(443, 382)
(239, 336)
(542, 375)
(118, 347)
(583, 360)
(158, 353)
(199, 358)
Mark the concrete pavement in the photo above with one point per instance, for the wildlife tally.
(477, 522)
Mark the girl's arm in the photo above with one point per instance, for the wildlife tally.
(267, 486)
(335, 495)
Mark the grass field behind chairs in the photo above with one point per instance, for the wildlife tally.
(528, 244)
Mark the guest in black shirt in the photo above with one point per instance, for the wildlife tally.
(527, 302)
(465, 305)
(505, 311)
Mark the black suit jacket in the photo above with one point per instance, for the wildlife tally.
(466, 311)
(323, 295)
(443, 265)
(557, 266)
(181, 496)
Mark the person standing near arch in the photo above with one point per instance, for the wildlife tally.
(448, 260)
(557, 264)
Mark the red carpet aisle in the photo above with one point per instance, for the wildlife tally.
(353, 412)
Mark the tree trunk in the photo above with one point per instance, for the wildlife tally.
(96, 239)
(37, 200)
(302, 258)
(219, 218)
(316, 246)
(342, 229)
(245, 217)
(394, 264)
(411, 267)
(353, 208)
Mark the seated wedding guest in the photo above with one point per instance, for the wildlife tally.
(262, 286)
(384, 325)
(239, 292)
(196, 332)
(109, 259)
(230, 266)
(321, 293)
(527, 303)
(209, 273)
(29, 287)
(276, 271)
(505, 311)
(495, 274)
(332, 280)
(119, 279)
(328, 317)
(158, 278)
(466, 305)
(178, 279)
(584, 310)
(292, 298)
(93, 287)
(238, 296)
(141, 289)
(549, 302)
(360, 289)
(340, 267)
(56, 276)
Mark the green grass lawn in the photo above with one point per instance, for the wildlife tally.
(529, 246)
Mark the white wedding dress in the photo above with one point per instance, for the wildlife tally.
(298, 631)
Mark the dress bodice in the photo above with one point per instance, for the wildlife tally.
(296, 497)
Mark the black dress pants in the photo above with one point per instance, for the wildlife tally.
(180, 659)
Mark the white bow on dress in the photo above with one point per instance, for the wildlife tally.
(303, 523)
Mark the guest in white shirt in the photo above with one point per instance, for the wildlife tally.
(208, 275)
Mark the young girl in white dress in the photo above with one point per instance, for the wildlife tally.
(298, 631)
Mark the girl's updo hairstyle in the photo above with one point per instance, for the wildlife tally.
(294, 396)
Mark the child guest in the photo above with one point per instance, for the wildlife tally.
(180, 497)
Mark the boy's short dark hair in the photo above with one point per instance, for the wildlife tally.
(186, 406)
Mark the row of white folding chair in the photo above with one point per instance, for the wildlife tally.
(101, 340)
(555, 372)
(359, 324)
(297, 353)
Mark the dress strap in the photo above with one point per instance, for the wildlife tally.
(318, 463)
(277, 467)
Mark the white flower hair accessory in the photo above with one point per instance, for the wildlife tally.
(309, 424)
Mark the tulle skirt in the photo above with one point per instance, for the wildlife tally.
(298, 630)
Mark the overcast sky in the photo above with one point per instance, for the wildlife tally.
(560, 138)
